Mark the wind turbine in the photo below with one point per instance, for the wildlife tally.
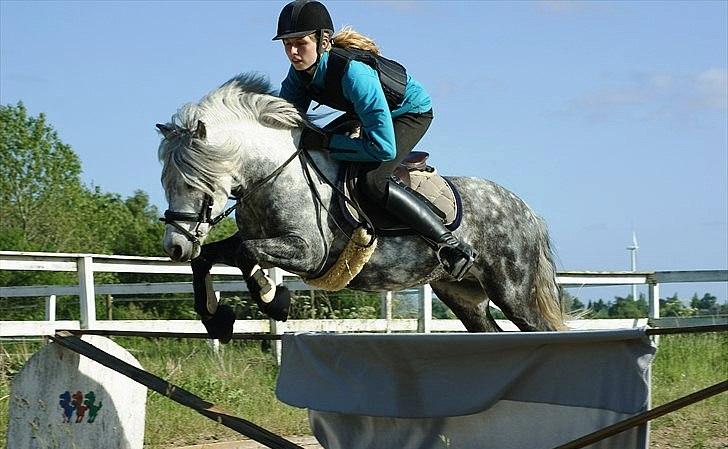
(633, 252)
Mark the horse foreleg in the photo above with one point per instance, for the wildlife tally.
(291, 252)
(218, 319)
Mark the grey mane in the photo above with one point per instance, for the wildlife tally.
(246, 97)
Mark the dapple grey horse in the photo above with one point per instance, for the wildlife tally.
(241, 140)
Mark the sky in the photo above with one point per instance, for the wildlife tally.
(607, 118)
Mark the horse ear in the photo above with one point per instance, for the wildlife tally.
(200, 132)
(164, 129)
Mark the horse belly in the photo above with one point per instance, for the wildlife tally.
(398, 263)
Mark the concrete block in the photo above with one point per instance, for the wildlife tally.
(62, 400)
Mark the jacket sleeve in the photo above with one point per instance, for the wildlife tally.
(293, 90)
(360, 85)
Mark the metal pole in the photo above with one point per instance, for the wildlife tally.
(644, 417)
(634, 268)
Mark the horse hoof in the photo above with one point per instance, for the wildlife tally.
(278, 308)
(220, 325)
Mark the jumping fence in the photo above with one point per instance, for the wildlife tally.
(87, 265)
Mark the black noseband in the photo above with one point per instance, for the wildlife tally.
(203, 216)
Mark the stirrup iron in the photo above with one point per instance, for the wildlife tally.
(459, 262)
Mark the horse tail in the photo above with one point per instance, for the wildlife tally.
(545, 292)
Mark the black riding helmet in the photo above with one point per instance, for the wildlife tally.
(303, 17)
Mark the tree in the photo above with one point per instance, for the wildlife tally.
(569, 302)
(708, 304)
(627, 308)
(141, 232)
(40, 186)
(672, 306)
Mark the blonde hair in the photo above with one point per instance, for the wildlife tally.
(347, 37)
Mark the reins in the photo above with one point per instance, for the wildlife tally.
(205, 215)
(307, 160)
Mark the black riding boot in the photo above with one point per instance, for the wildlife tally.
(456, 256)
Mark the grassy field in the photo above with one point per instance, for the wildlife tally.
(685, 364)
(241, 378)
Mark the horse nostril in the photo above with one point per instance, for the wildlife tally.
(176, 252)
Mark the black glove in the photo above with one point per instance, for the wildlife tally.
(313, 139)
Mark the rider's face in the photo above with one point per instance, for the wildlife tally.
(301, 51)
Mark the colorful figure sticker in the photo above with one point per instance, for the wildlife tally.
(79, 404)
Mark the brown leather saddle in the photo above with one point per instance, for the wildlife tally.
(434, 190)
(437, 192)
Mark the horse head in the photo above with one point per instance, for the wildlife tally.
(196, 193)
(225, 142)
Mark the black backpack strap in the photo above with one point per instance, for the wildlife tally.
(336, 66)
(392, 76)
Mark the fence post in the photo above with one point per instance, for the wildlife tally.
(424, 322)
(87, 296)
(50, 308)
(109, 307)
(276, 327)
(386, 308)
(654, 310)
(213, 343)
(654, 298)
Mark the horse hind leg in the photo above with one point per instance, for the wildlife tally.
(529, 301)
(469, 302)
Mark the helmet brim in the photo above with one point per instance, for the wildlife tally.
(293, 35)
(296, 34)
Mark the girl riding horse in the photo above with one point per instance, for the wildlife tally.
(393, 108)
(242, 140)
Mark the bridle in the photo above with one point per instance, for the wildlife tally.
(204, 216)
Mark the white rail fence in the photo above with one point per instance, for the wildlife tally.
(87, 265)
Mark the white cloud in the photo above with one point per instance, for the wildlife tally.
(712, 88)
(655, 96)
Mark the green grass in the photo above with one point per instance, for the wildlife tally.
(241, 379)
(685, 364)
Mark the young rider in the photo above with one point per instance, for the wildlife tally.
(391, 125)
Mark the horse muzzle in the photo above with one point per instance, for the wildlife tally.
(179, 247)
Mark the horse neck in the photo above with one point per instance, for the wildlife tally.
(271, 149)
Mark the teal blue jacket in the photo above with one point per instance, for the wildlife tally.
(360, 85)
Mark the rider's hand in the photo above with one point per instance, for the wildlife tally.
(313, 139)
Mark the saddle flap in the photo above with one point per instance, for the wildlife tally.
(435, 191)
